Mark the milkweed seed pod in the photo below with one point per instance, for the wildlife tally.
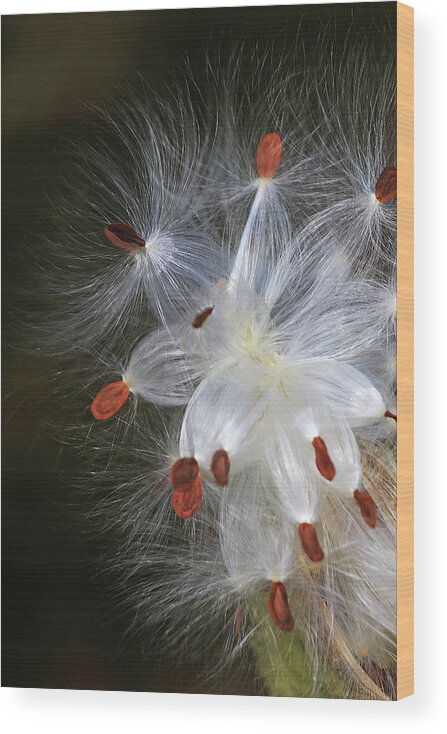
(241, 260)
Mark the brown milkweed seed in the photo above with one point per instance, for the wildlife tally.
(309, 541)
(367, 507)
(278, 606)
(186, 502)
(183, 473)
(202, 317)
(268, 155)
(386, 186)
(123, 236)
(322, 459)
(220, 466)
(109, 400)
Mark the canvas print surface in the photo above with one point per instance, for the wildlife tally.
(200, 256)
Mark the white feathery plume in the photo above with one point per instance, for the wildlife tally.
(355, 160)
(146, 245)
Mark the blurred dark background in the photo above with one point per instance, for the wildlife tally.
(57, 630)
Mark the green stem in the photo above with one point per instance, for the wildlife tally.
(284, 664)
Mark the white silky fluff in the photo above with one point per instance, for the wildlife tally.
(299, 342)
(258, 546)
(158, 372)
(354, 140)
(143, 170)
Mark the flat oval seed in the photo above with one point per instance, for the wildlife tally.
(220, 466)
(268, 155)
(322, 459)
(386, 186)
(109, 400)
(186, 502)
(124, 237)
(238, 620)
(183, 473)
(367, 507)
(309, 541)
(278, 606)
(202, 317)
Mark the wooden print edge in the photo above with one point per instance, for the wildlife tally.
(405, 352)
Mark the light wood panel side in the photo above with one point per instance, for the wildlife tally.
(405, 242)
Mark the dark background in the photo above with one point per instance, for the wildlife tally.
(58, 631)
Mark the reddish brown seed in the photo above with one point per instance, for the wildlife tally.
(202, 317)
(322, 459)
(367, 507)
(309, 541)
(386, 186)
(278, 606)
(187, 499)
(183, 473)
(109, 400)
(124, 237)
(268, 155)
(220, 466)
(238, 620)
(388, 414)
